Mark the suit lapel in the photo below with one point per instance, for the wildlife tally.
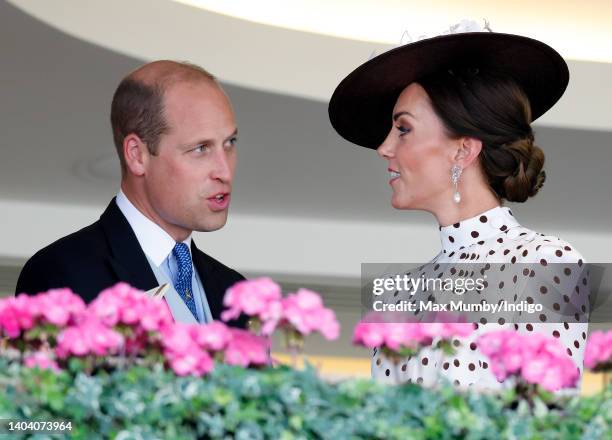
(127, 259)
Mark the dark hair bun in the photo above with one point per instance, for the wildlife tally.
(490, 105)
(523, 170)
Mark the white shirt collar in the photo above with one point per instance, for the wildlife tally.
(477, 229)
(154, 241)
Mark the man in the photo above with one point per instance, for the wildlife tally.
(175, 133)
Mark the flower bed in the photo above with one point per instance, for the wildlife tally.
(121, 368)
(282, 403)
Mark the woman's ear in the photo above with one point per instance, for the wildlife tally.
(467, 151)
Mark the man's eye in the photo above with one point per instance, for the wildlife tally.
(233, 141)
(200, 148)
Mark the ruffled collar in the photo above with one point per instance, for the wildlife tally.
(477, 229)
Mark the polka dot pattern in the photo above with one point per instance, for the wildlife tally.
(496, 237)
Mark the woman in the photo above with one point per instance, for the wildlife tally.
(452, 117)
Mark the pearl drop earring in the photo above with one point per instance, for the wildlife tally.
(455, 174)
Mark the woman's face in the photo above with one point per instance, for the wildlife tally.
(419, 153)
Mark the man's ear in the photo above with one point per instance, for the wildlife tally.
(136, 154)
(468, 150)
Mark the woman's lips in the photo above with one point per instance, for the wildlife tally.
(217, 203)
(394, 175)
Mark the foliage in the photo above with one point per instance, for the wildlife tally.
(282, 403)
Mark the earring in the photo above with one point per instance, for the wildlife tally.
(455, 174)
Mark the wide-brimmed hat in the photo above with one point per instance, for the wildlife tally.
(361, 106)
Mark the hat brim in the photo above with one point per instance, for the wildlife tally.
(361, 106)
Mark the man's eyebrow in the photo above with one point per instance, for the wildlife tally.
(235, 133)
(399, 114)
(209, 141)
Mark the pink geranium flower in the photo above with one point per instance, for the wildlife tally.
(195, 362)
(89, 337)
(370, 334)
(380, 330)
(305, 312)
(58, 307)
(445, 326)
(213, 336)
(246, 349)
(183, 352)
(259, 298)
(534, 358)
(15, 315)
(598, 352)
(42, 360)
(122, 304)
(393, 336)
(178, 338)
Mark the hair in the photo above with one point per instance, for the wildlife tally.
(490, 106)
(138, 102)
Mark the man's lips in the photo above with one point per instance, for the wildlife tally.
(219, 201)
(219, 194)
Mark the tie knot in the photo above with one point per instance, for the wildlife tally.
(182, 255)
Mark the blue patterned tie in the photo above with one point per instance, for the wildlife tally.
(182, 284)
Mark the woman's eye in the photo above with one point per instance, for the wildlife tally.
(403, 130)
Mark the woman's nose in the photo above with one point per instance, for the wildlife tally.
(385, 150)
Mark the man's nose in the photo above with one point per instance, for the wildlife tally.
(222, 168)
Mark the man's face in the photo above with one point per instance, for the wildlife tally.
(189, 181)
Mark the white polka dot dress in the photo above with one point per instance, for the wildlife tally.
(496, 237)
